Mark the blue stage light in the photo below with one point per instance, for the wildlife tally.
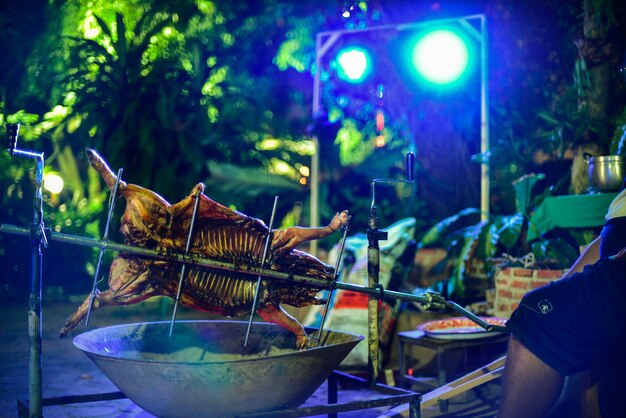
(353, 64)
(440, 56)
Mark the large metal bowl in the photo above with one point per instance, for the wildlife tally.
(204, 370)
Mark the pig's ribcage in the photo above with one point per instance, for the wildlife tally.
(215, 290)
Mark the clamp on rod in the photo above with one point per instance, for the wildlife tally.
(13, 130)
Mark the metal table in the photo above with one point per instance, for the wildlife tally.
(440, 346)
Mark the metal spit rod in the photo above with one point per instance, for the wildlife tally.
(105, 237)
(475, 318)
(268, 239)
(428, 299)
(331, 291)
(183, 268)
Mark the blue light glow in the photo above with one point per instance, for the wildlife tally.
(441, 56)
(354, 64)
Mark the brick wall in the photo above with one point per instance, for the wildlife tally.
(513, 283)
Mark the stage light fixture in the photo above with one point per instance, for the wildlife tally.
(353, 64)
(440, 56)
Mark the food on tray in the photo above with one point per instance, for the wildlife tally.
(459, 328)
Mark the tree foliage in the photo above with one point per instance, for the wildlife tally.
(178, 92)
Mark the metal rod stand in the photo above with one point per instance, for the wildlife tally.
(38, 240)
(374, 235)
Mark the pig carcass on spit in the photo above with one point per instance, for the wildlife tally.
(220, 234)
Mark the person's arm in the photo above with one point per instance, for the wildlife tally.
(590, 255)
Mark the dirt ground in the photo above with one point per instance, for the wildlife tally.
(68, 371)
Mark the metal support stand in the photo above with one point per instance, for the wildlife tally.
(374, 235)
(38, 240)
(373, 269)
(391, 396)
(23, 406)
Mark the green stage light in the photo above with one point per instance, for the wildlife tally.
(353, 64)
(440, 56)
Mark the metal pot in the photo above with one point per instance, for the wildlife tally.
(606, 173)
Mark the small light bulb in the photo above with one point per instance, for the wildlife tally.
(53, 183)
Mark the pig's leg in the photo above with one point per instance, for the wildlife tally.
(98, 163)
(128, 284)
(277, 315)
(79, 314)
(292, 237)
(100, 299)
(105, 298)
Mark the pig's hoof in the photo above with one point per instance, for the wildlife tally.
(302, 342)
(339, 220)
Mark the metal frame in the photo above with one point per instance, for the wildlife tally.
(37, 235)
(325, 40)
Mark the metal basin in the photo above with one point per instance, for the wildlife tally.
(204, 369)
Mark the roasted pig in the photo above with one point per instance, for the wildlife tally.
(220, 234)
